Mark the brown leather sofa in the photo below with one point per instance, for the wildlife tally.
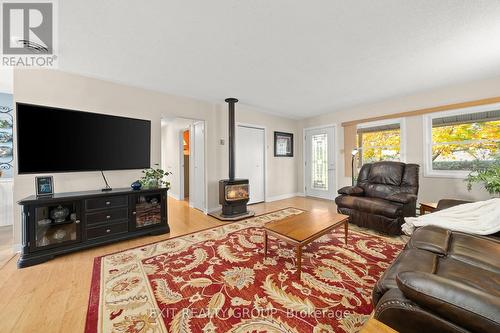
(443, 281)
(385, 193)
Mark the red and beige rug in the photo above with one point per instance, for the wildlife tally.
(218, 281)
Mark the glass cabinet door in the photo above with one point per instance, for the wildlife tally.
(147, 210)
(56, 225)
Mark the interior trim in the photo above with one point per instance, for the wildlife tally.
(419, 112)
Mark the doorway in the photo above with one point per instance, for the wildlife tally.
(197, 163)
(251, 159)
(185, 157)
(319, 159)
(183, 154)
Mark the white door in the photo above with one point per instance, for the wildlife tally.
(320, 163)
(250, 157)
(198, 157)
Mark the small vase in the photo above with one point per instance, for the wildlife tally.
(136, 185)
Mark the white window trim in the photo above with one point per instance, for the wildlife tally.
(427, 120)
(402, 133)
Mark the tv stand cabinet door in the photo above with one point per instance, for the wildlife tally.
(148, 210)
(44, 237)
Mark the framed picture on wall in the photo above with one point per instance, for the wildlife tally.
(283, 144)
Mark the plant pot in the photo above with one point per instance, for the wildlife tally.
(153, 183)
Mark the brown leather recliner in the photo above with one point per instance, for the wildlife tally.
(443, 281)
(385, 193)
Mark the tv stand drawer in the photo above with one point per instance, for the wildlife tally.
(107, 229)
(106, 202)
(106, 216)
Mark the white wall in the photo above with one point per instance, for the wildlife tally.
(170, 151)
(65, 90)
(431, 189)
(282, 172)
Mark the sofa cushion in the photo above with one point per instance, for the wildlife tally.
(478, 251)
(431, 238)
(473, 309)
(387, 173)
(471, 275)
(371, 205)
(351, 190)
(408, 260)
(402, 197)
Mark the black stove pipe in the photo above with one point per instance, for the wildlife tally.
(231, 102)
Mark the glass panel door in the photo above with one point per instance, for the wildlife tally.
(320, 163)
(319, 160)
(56, 225)
(147, 210)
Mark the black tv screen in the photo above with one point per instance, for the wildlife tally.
(58, 140)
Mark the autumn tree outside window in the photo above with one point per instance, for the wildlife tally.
(457, 141)
(379, 142)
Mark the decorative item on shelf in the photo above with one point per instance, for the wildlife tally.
(6, 136)
(59, 234)
(489, 176)
(44, 186)
(154, 178)
(59, 214)
(136, 186)
(44, 222)
(354, 152)
(44, 241)
(5, 151)
(283, 144)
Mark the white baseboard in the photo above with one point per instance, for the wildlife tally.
(16, 248)
(284, 196)
(173, 195)
(213, 209)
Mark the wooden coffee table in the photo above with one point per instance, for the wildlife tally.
(300, 230)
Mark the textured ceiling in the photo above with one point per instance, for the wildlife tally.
(295, 58)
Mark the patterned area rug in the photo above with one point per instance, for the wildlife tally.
(218, 281)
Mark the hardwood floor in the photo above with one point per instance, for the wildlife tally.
(52, 297)
(6, 252)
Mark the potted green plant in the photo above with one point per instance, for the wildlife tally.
(489, 176)
(154, 177)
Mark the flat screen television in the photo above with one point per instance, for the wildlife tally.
(53, 140)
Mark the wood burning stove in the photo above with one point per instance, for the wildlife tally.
(233, 193)
(233, 196)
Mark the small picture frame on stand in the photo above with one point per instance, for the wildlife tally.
(44, 186)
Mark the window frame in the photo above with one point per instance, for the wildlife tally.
(427, 142)
(402, 135)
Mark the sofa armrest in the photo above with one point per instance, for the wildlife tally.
(403, 198)
(448, 203)
(352, 190)
(457, 302)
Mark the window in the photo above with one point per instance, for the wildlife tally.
(457, 140)
(380, 141)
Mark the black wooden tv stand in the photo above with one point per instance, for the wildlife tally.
(68, 222)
